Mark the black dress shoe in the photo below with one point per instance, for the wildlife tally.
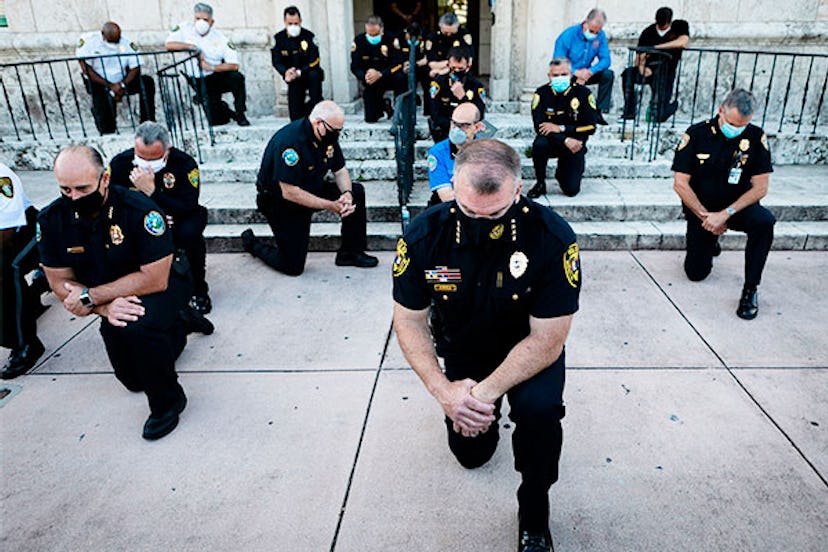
(242, 120)
(248, 239)
(535, 542)
(361, 260)
(201, 303)
(748, 304)
(599, 118)
(23, 359)
(387, 107)
(195, 322)
(158, 426)
(537, 190)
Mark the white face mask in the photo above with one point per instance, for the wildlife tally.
(664, 32)
(202, 26)
(294, 30)
(155, 164)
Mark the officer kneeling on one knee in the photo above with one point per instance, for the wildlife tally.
(722, 169)
(564, 115)
(292, 186)
(107, 250)
(499, 277)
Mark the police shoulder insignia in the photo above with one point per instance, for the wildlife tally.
(133, 46)
(116, 235)
(572, 265)
(81, 42)
(468, 39)
(685, 139)
(482, 93)
(176, 28)
(231, 45)
(192, 176)
(434, 89)
(765, 141)
(6, 187)
(304, 44)
(535, 100)
(353, 46)
(469, 94)
(591, 101)
(316, 42)
(518, 263)
(401, 261)
(154, 224)
(38, 235)
(744, 144)
(290, 157)
(432, 163)
(169, 180)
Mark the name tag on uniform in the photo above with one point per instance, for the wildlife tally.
(735, 175)
(76, 249)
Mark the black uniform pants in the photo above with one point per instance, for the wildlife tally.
(188, 234)
(372, 94)
(143, 353)
(18, 313)
(536, 409)
(604, 80)
(217, 84)
(661, 86)
(756, 221)
(310, 83)
(290, 224)
(570, 168)
(104, 106)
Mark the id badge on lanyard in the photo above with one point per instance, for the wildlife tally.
(736, 170)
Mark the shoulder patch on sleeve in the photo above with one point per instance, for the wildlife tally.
(353, 46)
(192, 176)
(133, 46)
(154, 224)
(482, 93)
(535, 100)
(591, 101)
(6, 187)
(176, 28)
(432, 163)
(685, 139)
(231, 45)
(764, 141)
(572, 265)
(316, 42)
(81, 42)
(290, 157)
(38, 234)
(402, 260)
(434, 89)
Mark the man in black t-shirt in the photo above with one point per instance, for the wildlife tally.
(490, 282)
(654, 69)
(722, 168)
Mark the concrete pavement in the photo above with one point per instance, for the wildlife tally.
(686, 429)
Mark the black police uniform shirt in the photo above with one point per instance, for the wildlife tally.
(437, 45)
(176, 185)
(301, 52)
(483, 290)
(403, 46)
(383, 57)
(720, 169)
(294, 157)
(650, 38)
(443, 100)
(574, 108)
(129, 232)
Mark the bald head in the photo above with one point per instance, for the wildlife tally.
(328, 111)
(466, 112)
(78, 171)
(111, 32)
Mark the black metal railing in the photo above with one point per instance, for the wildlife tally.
(790, 87)
(405, 136)
(52, 100)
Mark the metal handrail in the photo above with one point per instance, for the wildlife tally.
(404, 130)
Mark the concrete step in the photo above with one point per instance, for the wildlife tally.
(606, 236)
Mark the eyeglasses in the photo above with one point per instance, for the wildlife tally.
(330, 128)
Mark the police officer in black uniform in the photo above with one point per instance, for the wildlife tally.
(438, 44)
(170, 178)
(450, 90)
(722, 169)
(499, 276)
(379, 66)
(403, 42)
(565, 115)
(106, 250)
(292, 186)
(296, 57)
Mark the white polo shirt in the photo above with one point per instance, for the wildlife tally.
(113, 69)
(215, 46)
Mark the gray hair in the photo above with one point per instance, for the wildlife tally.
(449, 20)
(201, 7)
(374, 20)
(151, 132)
(595, 13)
(743, 100)
(560, 61)
(488, 164)
(324, 110)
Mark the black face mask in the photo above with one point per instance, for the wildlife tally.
(455, 76)
(89, 204)
(331, 136)
(480, 231)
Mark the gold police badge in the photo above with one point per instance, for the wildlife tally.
(116, 235)
(744, 144)
(169, 180)
(497, 232)
(304, 44)
(575, 104)
(470, 94)
(384, 50)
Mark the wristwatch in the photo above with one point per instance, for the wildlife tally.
(730, 211)
(85, 299)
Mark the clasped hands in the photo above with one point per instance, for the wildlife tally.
(470, 415)
(343, 206)
(715, 223)
(119, 312)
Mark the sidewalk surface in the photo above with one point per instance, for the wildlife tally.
(686, 429)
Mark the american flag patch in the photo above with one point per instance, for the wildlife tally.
(442, 274)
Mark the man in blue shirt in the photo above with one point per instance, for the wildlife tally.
(465, 124)
(582, 44)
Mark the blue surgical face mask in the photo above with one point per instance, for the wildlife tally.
(373, 40)
(731, 131)
(560, 84)
(457, 136)
(589, 36)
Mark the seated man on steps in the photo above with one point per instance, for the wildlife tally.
(292, 186)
